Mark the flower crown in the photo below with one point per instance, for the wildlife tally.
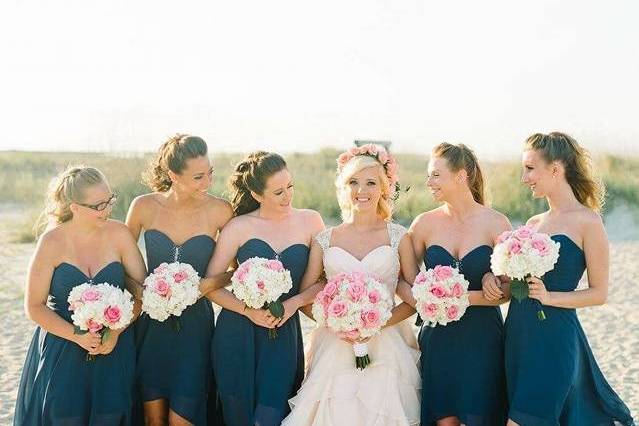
(377, 152)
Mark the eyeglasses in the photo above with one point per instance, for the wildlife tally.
(103, 205)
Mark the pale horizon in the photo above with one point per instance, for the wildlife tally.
(298, 77)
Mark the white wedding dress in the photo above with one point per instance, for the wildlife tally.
(334, 392)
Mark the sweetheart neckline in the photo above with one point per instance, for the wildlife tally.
(185, 241)
(279, 253)
(88, 276)
(462, 257)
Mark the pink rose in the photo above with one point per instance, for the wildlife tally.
(337, 308)
(162, 288)
(420, 278)
(241, 274)
(90, 295)
(452, 312)
(275, 265)
(180, 276)
(356, 290)
(514, 246)
(112, 314)
(371, 318)
(524, 233)
(430, 310)
(260, 285)
(343, 159)
(457, 290)
(438, 291)
(374, 296)
(93, 326)
(504, 236)
(540, 245)
(443, 272)
(325, 300)
(161, 269)
(330, 288)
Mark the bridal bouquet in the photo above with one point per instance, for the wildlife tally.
(520, 254)
(169, 290)
(356, 306)
(259, 283)
(441, 294)
(99, 308)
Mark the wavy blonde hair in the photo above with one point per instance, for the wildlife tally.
(355, 165)
(68, 187)
(556, 146)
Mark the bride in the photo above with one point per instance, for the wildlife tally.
(386, 392)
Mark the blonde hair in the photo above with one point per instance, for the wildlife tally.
(355, 165)
(172, 155)
(588, 188)
(68, 187)
(461, 157)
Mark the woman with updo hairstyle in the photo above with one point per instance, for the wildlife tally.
(256, 375)
(80, 244)
(462, 364)
(181, 221)
(552, 375)
(386, 392)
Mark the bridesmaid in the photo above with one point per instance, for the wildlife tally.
(551, 373)
(462, 363)
(256, 376)
(81, 244)
(181, 221)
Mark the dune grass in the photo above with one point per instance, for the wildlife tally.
(24, 177)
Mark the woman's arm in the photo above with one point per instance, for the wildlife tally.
(309, 287)
(596, 250)
(132, 261)
(312, 281)
(135, 216)
(495, 290)
(225, 252)
(39, 277)
(409, 269)
(221, 213)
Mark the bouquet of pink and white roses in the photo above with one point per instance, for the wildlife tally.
(441, 294)
(99, 308)
(522, 253)
(354, 305)
(169, 290)
(259, 283)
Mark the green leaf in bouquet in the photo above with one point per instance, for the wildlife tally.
(519, 289)
(78, 330)
(105, 335)
(276, 309)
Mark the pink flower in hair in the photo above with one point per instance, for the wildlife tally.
(379, 152)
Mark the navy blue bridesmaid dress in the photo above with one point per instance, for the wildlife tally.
(552, 375)
(58, 385)
(462, 363)
(175, 364)
(256, 375)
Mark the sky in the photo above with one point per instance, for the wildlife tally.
(294, 75)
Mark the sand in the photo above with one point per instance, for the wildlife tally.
(612, 329)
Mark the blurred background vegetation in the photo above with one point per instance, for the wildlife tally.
(24, 177)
